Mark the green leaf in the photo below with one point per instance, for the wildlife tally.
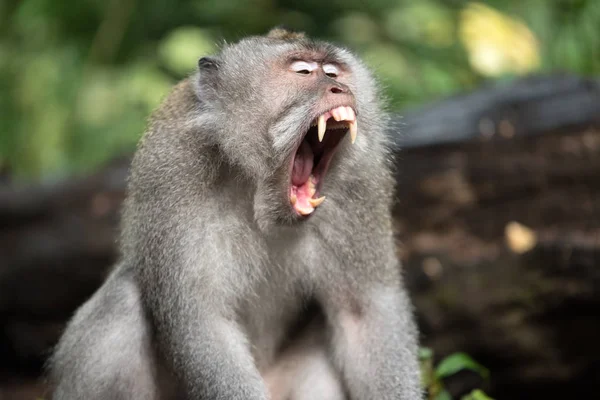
(476, 395)
(457, 362)
(443, 395)
(426, 365)
(183, 47)
(425, 353)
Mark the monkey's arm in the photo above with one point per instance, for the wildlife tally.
(375, 344)
(210, 357)
(186, 285)
(374, 336)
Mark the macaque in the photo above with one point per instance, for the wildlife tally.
(257, 259)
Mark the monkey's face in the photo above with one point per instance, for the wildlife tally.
(293, 115)
(332, 117)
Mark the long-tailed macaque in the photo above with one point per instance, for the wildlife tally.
(257, 255)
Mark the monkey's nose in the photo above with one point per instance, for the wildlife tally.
(338, 88)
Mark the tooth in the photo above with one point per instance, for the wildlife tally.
(343, 114)
(293, 199)
(353, 131)
(336, 114)
(316, 202)
(311, 186)
(322, 125)
(351, 115)
(304, 211)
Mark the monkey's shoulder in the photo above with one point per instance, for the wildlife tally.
(179, 102)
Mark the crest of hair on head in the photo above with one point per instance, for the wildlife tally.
(285, 34)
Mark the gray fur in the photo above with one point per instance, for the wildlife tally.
(216, 269)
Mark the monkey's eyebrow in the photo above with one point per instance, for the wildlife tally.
(320, 59)
(292, 58)
(307, 55)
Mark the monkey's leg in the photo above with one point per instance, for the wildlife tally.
(304, 370)
(105, 352)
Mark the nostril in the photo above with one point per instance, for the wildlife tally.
(336, 90)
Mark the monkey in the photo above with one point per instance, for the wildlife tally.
(257, 258)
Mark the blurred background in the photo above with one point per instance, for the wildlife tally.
(497, 109)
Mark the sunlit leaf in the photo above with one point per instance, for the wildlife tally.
(424, 21)
(425, 353)
(426, 366)
(568, 47)
(43, 97)
(497, 43)
(438, 79)
(443, 395)
(388, 61)
(476, 395)
(146, 85)
(182, 48)
(99, 102)
(457, 362)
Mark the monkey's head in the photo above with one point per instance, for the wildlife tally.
(296, 115)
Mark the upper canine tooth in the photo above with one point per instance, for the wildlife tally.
(353, 131)
(316, 202)
(322, 124)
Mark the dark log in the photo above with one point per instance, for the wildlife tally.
(530, 106)
(532, 318)
(467, 167)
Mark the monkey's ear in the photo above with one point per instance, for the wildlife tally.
(208, 64)
(283, 33)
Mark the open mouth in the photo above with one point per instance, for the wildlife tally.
(314, 154)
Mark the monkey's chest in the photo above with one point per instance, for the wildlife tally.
(273, 318)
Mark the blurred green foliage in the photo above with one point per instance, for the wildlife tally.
(79, 77)
(433, 376)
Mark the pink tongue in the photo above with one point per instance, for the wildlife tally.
(303, 164)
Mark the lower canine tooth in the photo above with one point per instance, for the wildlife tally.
(316, 202)
(293, 199)
(353, 131)
(303, 211)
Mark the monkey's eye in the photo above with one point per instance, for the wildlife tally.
(330, 70)
(302, 67)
